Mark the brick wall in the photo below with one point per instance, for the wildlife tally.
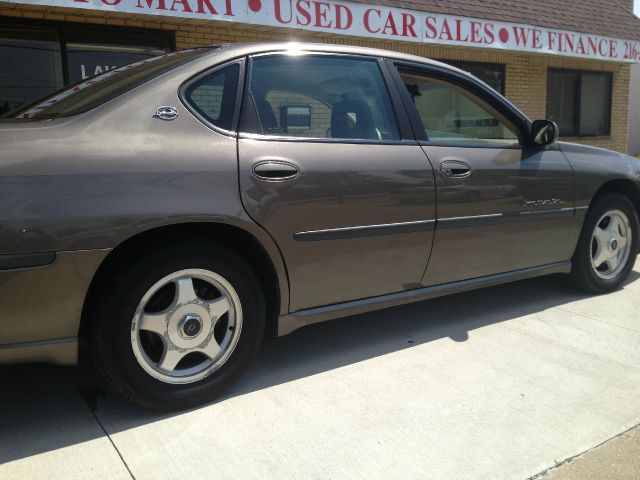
(526, 74)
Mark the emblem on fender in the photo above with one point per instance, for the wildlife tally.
(542, 203)
(166, 113)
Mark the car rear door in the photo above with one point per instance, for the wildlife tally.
(329, 168)
(502, 206)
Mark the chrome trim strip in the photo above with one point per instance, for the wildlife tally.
(425, 225)
(471, 217)
(293, 321)
(364, 231)
(497, 218)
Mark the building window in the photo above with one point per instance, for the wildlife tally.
(90, 52)
(31, 66)
(580, 102)
(41, 58)
(490, 73)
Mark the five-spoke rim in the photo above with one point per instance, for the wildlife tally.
(186, 326)
(611, 244)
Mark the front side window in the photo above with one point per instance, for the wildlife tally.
(452, 115)
(579, 102)
(321, 97)
(214, 96)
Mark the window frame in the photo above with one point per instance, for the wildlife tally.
(478, 88)
(237, 106)
(249, 122)
(498, 66)
(578, 96)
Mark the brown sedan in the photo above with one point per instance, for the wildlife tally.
(170, 213)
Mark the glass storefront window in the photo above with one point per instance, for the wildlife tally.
(31, 66)
(580, 102)
(38, 61)
(91, 53)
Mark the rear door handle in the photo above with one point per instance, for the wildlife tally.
(275, 170)
(455, 169)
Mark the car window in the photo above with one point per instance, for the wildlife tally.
(453, 115)
(214, 96)
(322, 97)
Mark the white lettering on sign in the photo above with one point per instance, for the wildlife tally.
(376, 21)
(98, 69)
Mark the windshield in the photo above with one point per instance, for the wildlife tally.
(90, 93)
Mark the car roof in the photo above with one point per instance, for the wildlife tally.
(256, 48)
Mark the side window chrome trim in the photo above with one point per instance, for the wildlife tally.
(390, 88)
(241, 62)
(357, 141)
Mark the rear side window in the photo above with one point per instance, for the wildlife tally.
(321, 97)
(214, 96)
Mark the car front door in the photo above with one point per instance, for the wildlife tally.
(501, 206)
(328, 167)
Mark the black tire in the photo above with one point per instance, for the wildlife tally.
(112, 311)
(583, 275)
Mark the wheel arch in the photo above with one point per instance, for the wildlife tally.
(271, 271)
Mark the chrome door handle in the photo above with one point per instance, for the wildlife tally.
(275, 170)
(455, 169)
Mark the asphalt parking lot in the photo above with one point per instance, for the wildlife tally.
(501, 383)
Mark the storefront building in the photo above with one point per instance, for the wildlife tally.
(564, 60)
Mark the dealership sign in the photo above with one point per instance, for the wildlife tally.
(376, 21)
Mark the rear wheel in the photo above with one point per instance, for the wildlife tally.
(177, 327)
(608, 245)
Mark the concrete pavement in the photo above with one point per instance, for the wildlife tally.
(499, 383)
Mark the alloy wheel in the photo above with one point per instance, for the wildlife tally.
(186, 326)
(611, 244)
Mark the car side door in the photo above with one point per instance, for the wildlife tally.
(329, 168)
(502, 205)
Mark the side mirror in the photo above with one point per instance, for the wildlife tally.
(544, 132)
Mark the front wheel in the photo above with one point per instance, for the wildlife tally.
(608, 245)
(177, 327)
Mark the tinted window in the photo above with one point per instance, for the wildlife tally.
(95, 91)
(579, 102)
(453, 115)
(214, 96)
(322, 97)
